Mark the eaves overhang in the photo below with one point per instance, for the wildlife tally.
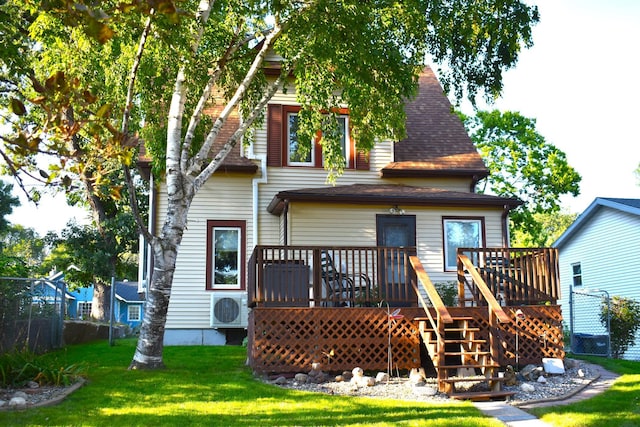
(366, 194)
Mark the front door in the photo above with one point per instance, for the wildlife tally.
(398, 234)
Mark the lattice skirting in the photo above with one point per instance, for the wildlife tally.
(290, 339)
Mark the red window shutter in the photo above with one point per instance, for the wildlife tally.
(274, 135)
(362, 161)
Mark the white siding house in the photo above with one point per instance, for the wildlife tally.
(599, 255)
(262, 197)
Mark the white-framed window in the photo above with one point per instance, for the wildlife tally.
(225, 254)
(460, 233)
(133, 312)
(576, 271)
(299, 154)
(84, 310)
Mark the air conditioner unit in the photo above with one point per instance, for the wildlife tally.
(229, 309)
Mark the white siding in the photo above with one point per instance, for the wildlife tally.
(224, 197)
(607, 248)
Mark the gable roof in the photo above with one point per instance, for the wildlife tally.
(128, 292)
(630, 206)
(437, 142)
(375, 194)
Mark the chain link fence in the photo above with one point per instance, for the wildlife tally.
(590, 330)
(31, 314)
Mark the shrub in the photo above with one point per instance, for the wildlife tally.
(448, 292)
(624, 317)
(20, 367)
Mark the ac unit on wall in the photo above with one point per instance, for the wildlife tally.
(229, 309)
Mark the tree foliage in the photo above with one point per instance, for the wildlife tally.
(524, 165)
(623, 316)
(99, 77)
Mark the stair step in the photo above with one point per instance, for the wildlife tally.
(462, 329)
(467, 366)
(463, 341)
(472, 379)
(482, 395)
(467, 353)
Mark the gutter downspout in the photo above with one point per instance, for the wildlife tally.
(505, 226)
(285, 224)
(255, 182)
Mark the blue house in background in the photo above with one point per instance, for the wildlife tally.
(127, 306)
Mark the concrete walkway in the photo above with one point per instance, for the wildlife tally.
(516, 416)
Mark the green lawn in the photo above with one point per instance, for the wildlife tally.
(617, 407)
(211, 386)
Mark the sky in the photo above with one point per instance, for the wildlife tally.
(580, 81)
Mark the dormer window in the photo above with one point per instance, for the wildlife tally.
(286, 149)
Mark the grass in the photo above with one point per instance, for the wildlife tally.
(211, 386)
(617, 407)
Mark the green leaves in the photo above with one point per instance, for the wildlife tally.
(524, 165)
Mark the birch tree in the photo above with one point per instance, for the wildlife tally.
(171, 58)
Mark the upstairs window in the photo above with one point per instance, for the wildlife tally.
(286, 149)
(576, 270)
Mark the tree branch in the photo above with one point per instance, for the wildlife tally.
(203, 153)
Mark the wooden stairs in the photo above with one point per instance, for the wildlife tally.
(465, 369)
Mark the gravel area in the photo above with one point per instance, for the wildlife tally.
(556, 387)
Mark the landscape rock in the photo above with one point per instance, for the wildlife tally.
(18, 403)
(531, 372)
(553, 366)
(417, 376)
(542, 380)
(510, 376)
(527, 388)
(301, 378)
(280, 381)
(382, 377)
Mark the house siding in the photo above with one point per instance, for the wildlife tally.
(224, 197)
(606, 247)
(309, 222)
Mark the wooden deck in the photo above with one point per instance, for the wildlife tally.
(298, 317)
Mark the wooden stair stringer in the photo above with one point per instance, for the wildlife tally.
(463, 351)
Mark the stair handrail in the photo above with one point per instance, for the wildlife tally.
(432, 293)
(493, 303)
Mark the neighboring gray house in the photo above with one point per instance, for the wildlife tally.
(599, 255)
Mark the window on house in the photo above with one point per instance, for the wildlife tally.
(84, 310)
(577, 274)
(297, 153)
(461, 233)
(225, 254)
(133, 313)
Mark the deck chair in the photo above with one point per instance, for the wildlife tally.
(340, 288)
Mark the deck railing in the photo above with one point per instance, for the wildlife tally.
(319, 276)
(515, 276)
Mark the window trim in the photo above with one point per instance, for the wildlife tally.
(445, 250)
(211, 227)
(317, 160)
(139, 309)
(574, 275)
(79, 310)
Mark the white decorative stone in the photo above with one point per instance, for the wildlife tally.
(18, 403)
(2, 403)
(553, 366)
(382, 377)
(21, 394)
(417, 376)
(542, 380)
(527, 388)
(357, 372)
(580, 373)
(280, 381)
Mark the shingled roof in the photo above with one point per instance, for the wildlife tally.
(405, 195)
(437, 143)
